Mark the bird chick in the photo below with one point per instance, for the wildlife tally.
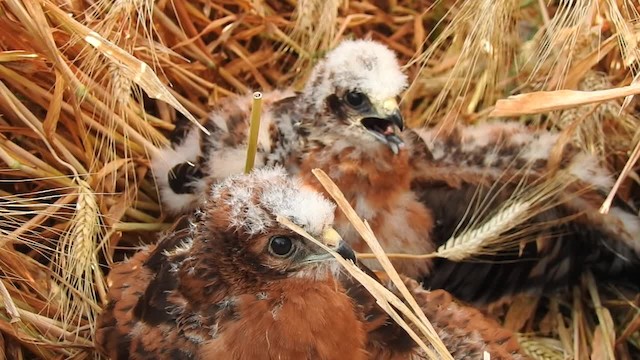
(346, 121)
(420, 188)
(466, 176)
(349, 100)
(233, 283)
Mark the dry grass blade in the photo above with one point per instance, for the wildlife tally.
(545, 101)
(632, 329)
(10, 56)
(314, 29)
(383, 296)
(43, 215)
(604, 347)
(135, 69)
(628, 168)
(9, 305)
(254, 130)
(30, 121)
(47, 325)
(580, 341)
(367, 234)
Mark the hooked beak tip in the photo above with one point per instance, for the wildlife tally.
(396, 119)
(331, 238)
(346, 251)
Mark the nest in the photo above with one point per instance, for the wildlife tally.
(89, 88)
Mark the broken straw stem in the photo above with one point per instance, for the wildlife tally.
(254, 129)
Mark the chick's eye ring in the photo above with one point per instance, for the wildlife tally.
(281, 246)
(354, 99)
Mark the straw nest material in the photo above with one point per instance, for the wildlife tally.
(89, 88)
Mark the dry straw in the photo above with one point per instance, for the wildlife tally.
(369, 237)
(254, 130)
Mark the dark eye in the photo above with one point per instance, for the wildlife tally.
(280, 246)
(354, 99)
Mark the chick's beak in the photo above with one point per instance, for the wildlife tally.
(391, 112)
(331, 238)
(396, 119)
(383, 122)
(346, 251)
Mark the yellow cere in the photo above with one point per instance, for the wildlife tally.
(330, 237)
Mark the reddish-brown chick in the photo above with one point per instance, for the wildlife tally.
(235, 284)
(441, 186)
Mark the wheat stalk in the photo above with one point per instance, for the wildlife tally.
(9, 305)
(314, 29)
(489, 236)
(138, 71)
(471, 242)
(481, 31)
(541, 349)
(254, 130)
(545, 101)
(77, 261)
(605, 322)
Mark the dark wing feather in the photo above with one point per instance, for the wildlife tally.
(128, 327)
(559, 246)
(127, 282)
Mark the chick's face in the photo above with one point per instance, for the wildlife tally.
(238, 227)
(354, 91)
(283, 253)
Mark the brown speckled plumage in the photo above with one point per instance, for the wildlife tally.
(419, 187)
(215, 289)
(212, 289)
